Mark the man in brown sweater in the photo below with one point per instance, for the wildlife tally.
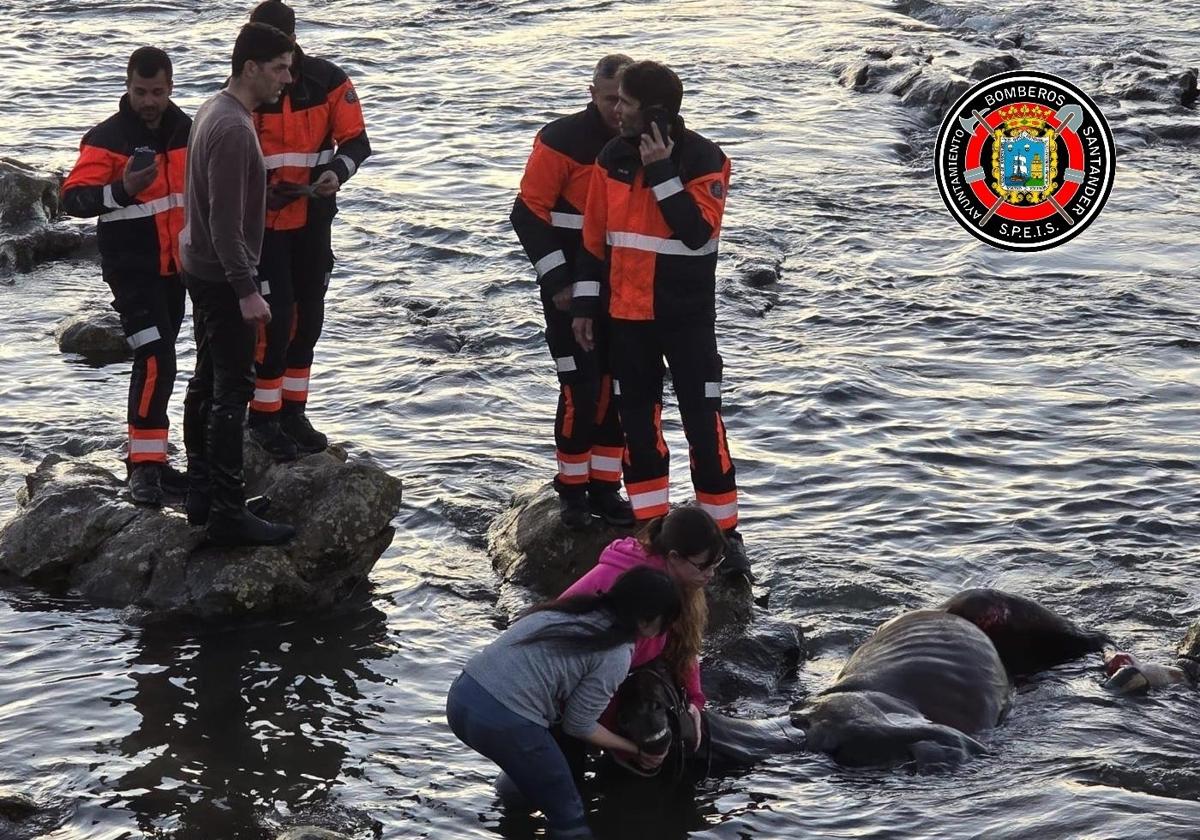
(224, 215)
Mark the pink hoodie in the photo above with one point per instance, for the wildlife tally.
(619, 557)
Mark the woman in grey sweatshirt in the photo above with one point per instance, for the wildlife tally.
(560, 663)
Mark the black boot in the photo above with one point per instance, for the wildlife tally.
(573, 510)
(198, 507)
(144, 487)
(295, 425)
(267, 433)
(609, 506)
(229, 522)
(173, 482)
(737, 564)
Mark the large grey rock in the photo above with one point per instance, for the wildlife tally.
(97, 337)
(29, 206)
(918, 78)
(77, 529)
(530, 547)
(22, 817)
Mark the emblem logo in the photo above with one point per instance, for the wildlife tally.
(351, 96)
(716, 189)
(1024, 161)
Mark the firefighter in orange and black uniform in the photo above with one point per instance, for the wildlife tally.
(313, 140)
(548, 219)
(650, 233)
(130, 175)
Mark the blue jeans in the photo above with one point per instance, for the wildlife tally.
(525, 751)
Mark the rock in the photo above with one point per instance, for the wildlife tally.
(760, 276)
(1188, 652)
(97, 337)
(29, 205)
(1149, 83)
(312, 833)
(913, 75)
(27, 196)
(934, 88)
(23, 819)
(987, 67)
(532, 548)
(77, 529)
(15, 807)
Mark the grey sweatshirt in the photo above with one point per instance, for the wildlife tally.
(224, 196)
(547, 680)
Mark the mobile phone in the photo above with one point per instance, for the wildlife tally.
(657, 115)
(143, 158)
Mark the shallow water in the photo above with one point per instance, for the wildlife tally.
(910, 411)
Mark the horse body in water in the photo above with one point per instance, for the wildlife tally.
(916, 690)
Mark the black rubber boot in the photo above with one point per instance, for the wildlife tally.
(609, 506)
(173, 482)
(195, 431)
(574, 512)
(144, 487)
(198, 507)
(229, 522)
(295, 425)
(268, 434)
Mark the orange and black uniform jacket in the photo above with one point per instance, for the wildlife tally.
(316, 125)
(655, 229)
(548, 212)
(135, 234)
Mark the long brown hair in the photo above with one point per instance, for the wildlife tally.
(688, 531)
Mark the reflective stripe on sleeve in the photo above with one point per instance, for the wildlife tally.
(659, 245)
(573, 221)
(549, 262)
(668, 188)
(138, 211)
(565, 364)
(351, 166)
(587, 288)
(110, 200)
(712, 390)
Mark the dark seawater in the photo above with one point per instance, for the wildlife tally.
(911, 412)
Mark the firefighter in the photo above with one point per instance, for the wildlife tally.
(130, 176)
(548, 219)
(313, 139)
(651, 228)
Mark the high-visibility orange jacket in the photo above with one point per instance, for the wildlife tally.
(134, 233)
(650, 233)
(548, 212)
(316, 125)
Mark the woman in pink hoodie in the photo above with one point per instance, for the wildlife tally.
(688, 545)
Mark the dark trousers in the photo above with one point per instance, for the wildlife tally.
(221, 387)
(151, 310)
(525, 751)
(294, 272)
(690, 351)
(587, 430)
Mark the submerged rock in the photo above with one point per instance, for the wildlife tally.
(97, 337)
(312, 833)
(531, 547)
(29, 207)
(21, 817)
(77, 529)
(918, 78)
(1188, 652)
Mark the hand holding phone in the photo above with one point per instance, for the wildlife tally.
(656, 143)
(140, 171)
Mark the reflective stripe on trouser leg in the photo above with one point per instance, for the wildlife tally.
(606, 463)
(573, 469)
(722, 507)
(649, 498)
(295, 385)
(268, 395)
(147, 445)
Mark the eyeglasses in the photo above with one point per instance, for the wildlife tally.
(705, 565)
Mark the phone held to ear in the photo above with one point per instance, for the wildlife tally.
(143, 158)
(656, 115)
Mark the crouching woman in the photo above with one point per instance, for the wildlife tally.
(561, 662)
